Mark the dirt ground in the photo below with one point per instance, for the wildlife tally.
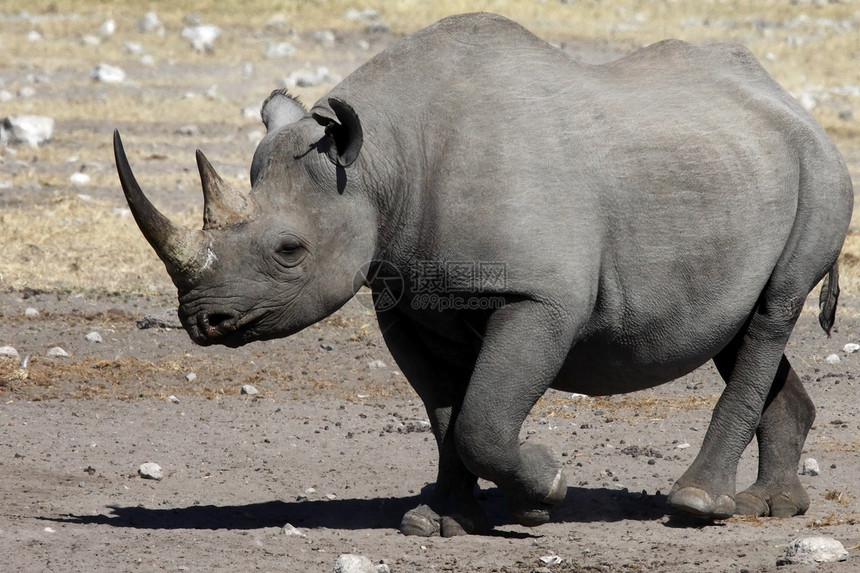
(326, 447)
(333, 443)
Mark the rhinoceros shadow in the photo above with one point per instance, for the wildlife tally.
(582, 505)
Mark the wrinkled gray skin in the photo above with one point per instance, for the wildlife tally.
(673, 207)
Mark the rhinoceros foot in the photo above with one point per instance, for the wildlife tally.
(548, 486)
(699, 503)
(424, 522)
(775, 500)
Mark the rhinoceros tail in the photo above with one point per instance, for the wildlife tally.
(827, 299)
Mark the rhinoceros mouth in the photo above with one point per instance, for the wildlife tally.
(226, 328)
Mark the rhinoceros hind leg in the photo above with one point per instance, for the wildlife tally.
(781, 433)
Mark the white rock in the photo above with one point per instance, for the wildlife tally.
(33, 130)
(851, 348)
(310, 78)
(33, 36)
(812, 550)
(190, 377)
(79, 178)
(551, 560)
(324, 37)
(291, 531)
(9, 352)
(280, 50)
(682, 446)
(832, 359)
(173, 399)
(90, 40)
(6, 96)
(31, 312)
(108, 74)
(376, 365)
(368, 15)
(150, 470)
(94, 337)
(249, 390)
(810, 467)
(57, 352)
(349, 563)
(133, 48)
(150, 23)
(202, 37)
(107, 28)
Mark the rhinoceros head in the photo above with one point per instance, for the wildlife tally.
(274, 260)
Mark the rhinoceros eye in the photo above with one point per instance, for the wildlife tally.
(290, 252)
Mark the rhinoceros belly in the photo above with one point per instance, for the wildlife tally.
(616, 362)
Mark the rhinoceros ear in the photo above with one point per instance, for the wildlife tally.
(344, 129)
(281, 108)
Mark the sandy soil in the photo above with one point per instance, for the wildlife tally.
(326, 446)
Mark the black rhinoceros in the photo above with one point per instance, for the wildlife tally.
(595, 229)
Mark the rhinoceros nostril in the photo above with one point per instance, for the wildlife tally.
(216, 324)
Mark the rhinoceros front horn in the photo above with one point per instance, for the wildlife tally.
(181, 250)
(223, 204)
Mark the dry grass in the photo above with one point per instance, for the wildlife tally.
(66, 243)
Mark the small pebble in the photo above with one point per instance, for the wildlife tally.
(551, 560)
(376, 365)
(249, 390)
(79, 178)
(851, 348)
(832, 359)
(94, 337)
(31, 312)
(108, 74)
(190, 377)
(291, 531)
(10, 352)
(173, 399)
(810, 467)
(57, 352)
(150, 470)
(349, 563)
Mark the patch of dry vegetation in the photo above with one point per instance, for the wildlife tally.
(72, 244)
(76, 243)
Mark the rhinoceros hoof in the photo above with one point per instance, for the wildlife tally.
(699, 503)
(424, 522)
(780, 504)
(421, 521)
(531, 517)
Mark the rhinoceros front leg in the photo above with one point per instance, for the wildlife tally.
(525, 344)
(750, 367)
(441, 387)
(785, 422)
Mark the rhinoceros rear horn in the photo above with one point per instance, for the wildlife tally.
(223, 204)
(180, 249)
